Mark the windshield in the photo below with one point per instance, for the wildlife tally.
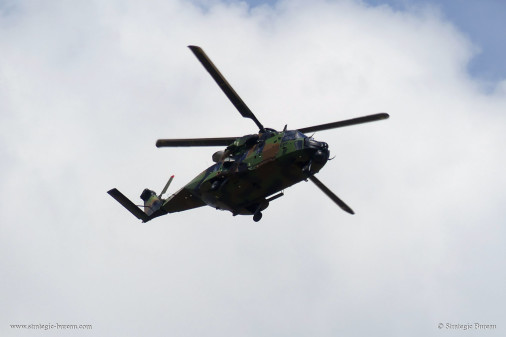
(292, 135)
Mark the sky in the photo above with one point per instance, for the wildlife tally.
(480, 21)
(86, 88)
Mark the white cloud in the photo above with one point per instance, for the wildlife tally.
(86, 91)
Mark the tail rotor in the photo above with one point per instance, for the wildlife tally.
(152, 202)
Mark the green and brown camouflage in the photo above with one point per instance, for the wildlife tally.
(252, 171)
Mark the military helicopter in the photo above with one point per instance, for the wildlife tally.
(252, 171)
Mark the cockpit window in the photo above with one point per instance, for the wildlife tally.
(292, 135)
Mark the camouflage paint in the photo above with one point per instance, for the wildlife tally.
(257, 166)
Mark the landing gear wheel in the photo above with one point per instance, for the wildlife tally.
(257, 216)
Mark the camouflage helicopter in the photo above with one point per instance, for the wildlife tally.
(251, 171)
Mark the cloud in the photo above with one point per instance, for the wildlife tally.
(85, 92)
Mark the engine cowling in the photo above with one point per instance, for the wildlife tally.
(218, 156)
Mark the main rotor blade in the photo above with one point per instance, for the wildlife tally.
(224, 85)
(348, 122)
(225, 141)
(331, 195)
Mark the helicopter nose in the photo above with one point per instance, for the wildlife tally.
(321, 150)
(321, 155)
(311, 143)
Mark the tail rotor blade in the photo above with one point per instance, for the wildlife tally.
(331, 195)
(166, 186)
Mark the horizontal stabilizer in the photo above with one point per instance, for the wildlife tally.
(130, 206)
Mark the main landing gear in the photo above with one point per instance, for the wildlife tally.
(258, 214)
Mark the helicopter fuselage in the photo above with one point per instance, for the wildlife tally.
(255, 167)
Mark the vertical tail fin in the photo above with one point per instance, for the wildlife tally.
(152, 202)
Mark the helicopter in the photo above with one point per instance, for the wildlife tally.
(252, 170)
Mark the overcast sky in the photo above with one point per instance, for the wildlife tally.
(481, 21)
(86, 89)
